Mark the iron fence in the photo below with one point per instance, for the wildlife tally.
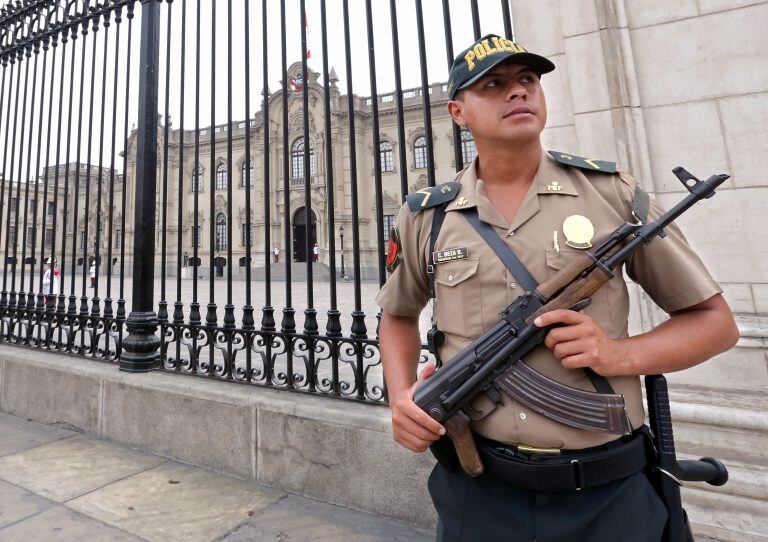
(102, 202)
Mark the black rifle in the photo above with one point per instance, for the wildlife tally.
(490, 364)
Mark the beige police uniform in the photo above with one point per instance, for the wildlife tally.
(471, 292)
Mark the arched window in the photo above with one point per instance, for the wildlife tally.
(247, 176)
(221, 176)
(420, 152)
(297, 159)
(385, 151)
(221, 232)
(468, 149)
(197, 180)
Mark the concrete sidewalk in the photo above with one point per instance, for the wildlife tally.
(58, 485)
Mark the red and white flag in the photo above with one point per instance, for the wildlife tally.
(306, 26)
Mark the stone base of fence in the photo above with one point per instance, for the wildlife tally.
(342, 452)
(335, 451)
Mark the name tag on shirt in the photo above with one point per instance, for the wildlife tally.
(450, 255)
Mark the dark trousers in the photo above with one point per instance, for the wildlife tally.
(485, 510)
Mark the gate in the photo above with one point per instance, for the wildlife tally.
(166, 140)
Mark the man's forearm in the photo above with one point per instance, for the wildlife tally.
(689, 337)
(400, 347)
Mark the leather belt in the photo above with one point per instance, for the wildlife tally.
(570, 471)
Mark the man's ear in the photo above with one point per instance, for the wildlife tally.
(456, 111)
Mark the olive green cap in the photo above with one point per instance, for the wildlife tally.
(487, 52)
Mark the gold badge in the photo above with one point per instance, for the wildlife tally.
(462, 201)
(554, 186)
(578, 231)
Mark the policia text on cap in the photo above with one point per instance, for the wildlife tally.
(545, 207)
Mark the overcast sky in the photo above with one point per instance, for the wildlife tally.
(491, 21)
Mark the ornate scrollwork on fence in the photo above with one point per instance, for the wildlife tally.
(22, 24)
(333, 366)
(94, 337)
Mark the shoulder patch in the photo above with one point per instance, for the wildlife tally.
(591, 164)
(432, 196)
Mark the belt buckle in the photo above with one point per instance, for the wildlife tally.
(537, 451)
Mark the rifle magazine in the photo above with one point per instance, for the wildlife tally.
(571, 406)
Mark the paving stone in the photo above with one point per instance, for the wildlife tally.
(69, 468)
(17, 504)
(62, 525)
(17, 434)
(303, 520)
(175, 502)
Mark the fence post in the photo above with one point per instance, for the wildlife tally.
(140, 347)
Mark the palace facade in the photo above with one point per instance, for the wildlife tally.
(209, 181)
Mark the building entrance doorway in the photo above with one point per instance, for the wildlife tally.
(219, 264)
(300, 233)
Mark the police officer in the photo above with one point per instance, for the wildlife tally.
(545, 206)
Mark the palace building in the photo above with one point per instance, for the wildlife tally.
(210, 180)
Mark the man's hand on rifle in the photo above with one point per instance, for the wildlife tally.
(582, 342)
(411, 426)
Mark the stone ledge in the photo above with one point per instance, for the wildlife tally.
(336, 451)
(725, 517)
(340, 452)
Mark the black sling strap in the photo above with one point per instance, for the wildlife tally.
(507, 257)
(435, 337)
(640, 204)
(437, 223)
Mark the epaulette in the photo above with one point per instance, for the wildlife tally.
(432, 196)
(591, 164)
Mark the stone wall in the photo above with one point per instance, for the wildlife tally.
(333, 450)
(654, 85)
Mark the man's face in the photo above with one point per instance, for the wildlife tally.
(507, 104)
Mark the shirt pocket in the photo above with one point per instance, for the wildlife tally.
(600, 307)
(459, 298)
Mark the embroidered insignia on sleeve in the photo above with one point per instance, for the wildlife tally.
(432, 196)
(590, 164)
(393, 251)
